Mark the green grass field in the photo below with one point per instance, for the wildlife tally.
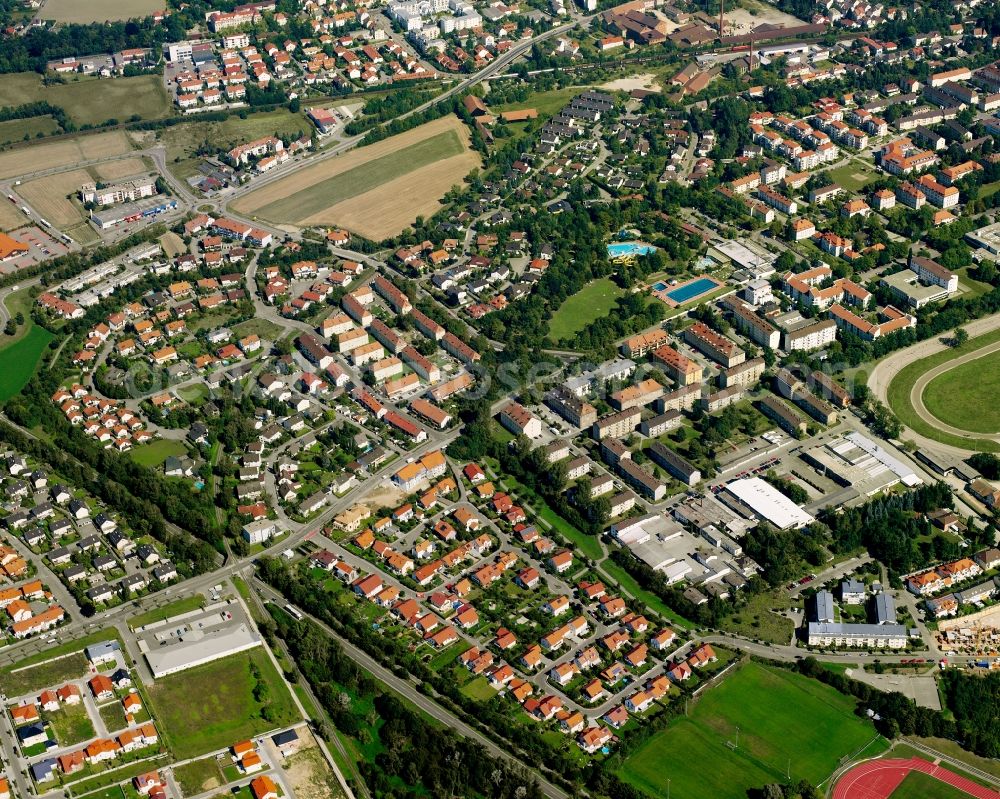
(45, 675)
(785, 721)
(756, 619)
(185, 605)
(199, 776)
(365, 177)
(965, 397)
(71, 725)
(19, 361)
(113, 716)
(212, 706)
(546, 103)
(90, 100)
(899, 390)
(918, 785)
(593, 301)
(851, 176)
(156, 452)
(16, 129)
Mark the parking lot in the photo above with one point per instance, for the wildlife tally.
(41, 247)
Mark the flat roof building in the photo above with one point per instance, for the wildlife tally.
(768, 503)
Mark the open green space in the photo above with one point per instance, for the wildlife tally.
(261, 328)
(20, 129)
(632, 588)
(113, 716)
(184, 605)
(947, 747)
(965, 397)
(71, 724)
(19, 361)
(593, 301)
(211, 706)
(199, 776)
(365, 177)
(898, 394)
(156, 452)
(851, 176)
(183, 141)
(758, 620)
(546, 103)
(786, 722)
(90, 100)
(918, 785)
(18, 302)
(45, 675)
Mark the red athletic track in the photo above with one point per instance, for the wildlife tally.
(877, 779)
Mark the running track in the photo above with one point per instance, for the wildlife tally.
(877, 779)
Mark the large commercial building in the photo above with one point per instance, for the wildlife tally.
(768, 503)
(183, 643)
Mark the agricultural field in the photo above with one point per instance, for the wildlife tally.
(593, 301)
(786, 723)
(11, 217)
(89, 100)
(20, 129)
(73, 11)
(64, 152)
(19, 361)
(965, 397)
(376, 191)
(211, 706)
(121, 169)
(50, 196)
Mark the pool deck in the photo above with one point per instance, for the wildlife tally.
(663, 295)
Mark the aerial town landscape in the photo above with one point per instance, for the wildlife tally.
(446, 398)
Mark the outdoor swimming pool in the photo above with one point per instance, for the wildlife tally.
(627, 248)
(688, 291)
(659, 286)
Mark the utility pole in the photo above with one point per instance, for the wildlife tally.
(722, 18)
(668, 787)
(737, 737)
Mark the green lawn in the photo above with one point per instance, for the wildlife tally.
(593, 301)
(368, 176)
(784, 720)
(90, 100)
(155, 453)
(851, 176)
(199, 776)
(918, 785)
(546, 103)
(19, 361)
(212, 706)
(756, 620)
(185, 605)
(589, 545)
(71, 724)
(902, 385)
(479, 689)
(965, 397)
(262, 328)
(989, 189)
(16, 129)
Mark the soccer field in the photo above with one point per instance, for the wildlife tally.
(787, 724)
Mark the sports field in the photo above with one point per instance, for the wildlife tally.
(376, 191)
(918, 785)
(965, 397)
(851, 176)
(97, 10)
(593, 301)
(90, 100)
(19, 361)
(65, 152)
(212, 706)
(786, 723)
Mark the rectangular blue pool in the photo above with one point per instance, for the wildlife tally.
(626, 248)
(689, 291)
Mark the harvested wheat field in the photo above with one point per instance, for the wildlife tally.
(73, 11)
(10, 216)
(117, 170)
(376, 191)
(67, 152)
(48, 196)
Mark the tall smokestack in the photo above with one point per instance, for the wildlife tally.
(722, 18)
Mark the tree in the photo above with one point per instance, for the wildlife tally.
(960, 337)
